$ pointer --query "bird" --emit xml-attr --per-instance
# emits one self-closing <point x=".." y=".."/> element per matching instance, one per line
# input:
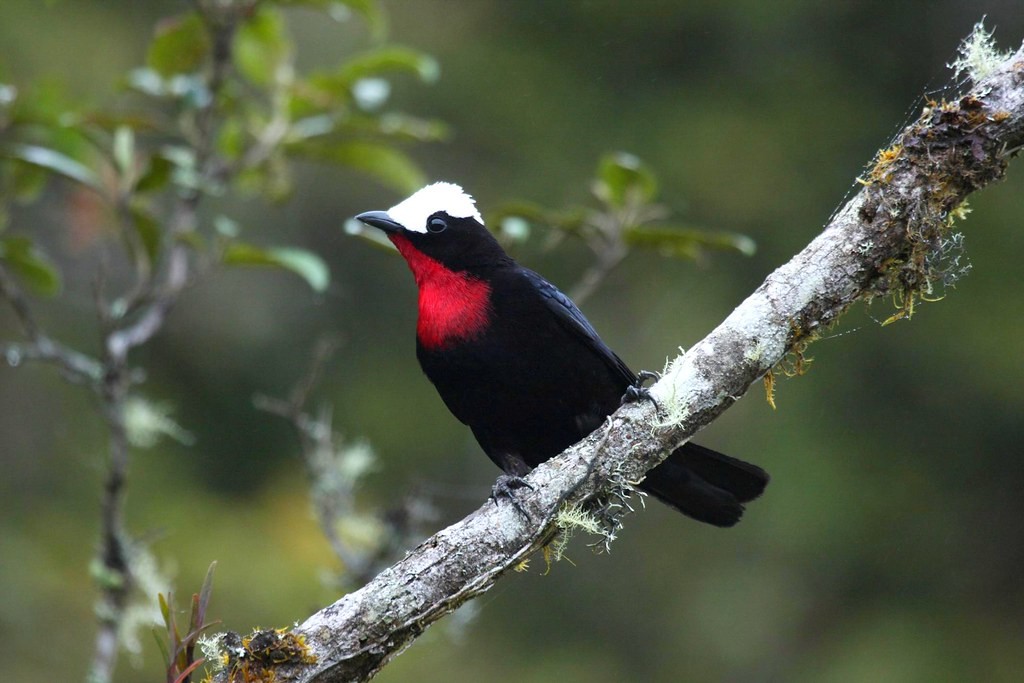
<point x="516" y="360"/>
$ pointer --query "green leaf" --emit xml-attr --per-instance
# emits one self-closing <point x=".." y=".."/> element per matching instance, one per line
<point x="369" y="10"/>
<point x="157" y="174"/>
<point x="192" y="239"/>
<point x="25" y="182"/>
<point x="146" y="81"/>
<point x="388" y="165"/>
<point x="54" y="161"/>
<point x="231" y="139"/>
<point x="44" y="103"/>
<point x="262" y="46"/>
<point x="412" y="128"/>
<point x="339" y="10"/>
<point x="181" y="45"/>
<point x="165" y="610"/>
<point x="569" y="221"/>
<point x="8" y="94"/>
<point x="392" y="125"/>
<point x="184" y="171"/>
<point x="226" y="227"/>
<point x="370" y="94"/>
<point x="372" y="235"/>
<point x="358" y="78"/>
<point x="190" y="88"/>
<point x="31" y="265"/>
<point x="622" y="178"/>
<point x="514" y="229"/>
<point x="150" y="233"/>
<point x="312" y="127"/>
<point x="162" y="645"/>
<point x="687" y="242"/>
<point x="124" y="149"/>
<point x="303" y="263"/>
<point x="204" y="595"/>
<point x="272" y="178"/>
<point x="388" y="59"/>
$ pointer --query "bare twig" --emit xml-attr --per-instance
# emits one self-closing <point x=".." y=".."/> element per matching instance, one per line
<point x="606" y="260"/>
<point x="12" y="292"/>
<point x="333" y="495"/>
<point x="316" y="438"/>
<point x="604" y="234"/>
<point x="76" y="366"/>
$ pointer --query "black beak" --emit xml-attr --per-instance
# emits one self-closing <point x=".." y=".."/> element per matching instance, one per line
<point x="379" y="219"/>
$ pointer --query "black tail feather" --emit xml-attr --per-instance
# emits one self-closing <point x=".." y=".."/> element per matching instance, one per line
<point x="743" y="480"/>
<point x="706" y="485"/>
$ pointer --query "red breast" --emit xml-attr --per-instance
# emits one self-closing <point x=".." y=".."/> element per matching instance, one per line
<point x="453" y="305"/>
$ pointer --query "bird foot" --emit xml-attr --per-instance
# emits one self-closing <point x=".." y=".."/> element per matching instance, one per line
<point x="505" y="487"/>
<point x="638" y="392"/>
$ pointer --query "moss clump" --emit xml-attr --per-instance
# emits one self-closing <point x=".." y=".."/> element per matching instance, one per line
<point x="255" y="658"/>
<point x="919" y="184"/>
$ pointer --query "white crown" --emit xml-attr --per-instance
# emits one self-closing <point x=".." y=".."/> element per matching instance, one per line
<point x="412" y="213"/>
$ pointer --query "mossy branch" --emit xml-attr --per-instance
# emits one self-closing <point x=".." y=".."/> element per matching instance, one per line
<point x="885" y="240"/>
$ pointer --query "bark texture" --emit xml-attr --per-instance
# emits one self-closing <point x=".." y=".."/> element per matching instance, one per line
<point x="891" y="238"/>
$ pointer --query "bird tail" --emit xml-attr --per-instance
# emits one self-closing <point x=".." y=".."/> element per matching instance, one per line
<point x="705" y="485"/>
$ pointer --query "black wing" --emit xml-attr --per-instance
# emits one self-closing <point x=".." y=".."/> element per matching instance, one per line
<point x="573" y="319"/>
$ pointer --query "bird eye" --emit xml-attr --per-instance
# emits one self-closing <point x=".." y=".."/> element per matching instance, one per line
<point x="436" y="224"/>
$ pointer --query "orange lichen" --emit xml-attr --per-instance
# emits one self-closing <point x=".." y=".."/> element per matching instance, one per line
<point x="769" y="388"/>
<point x="255" y="658"/>
<point x="880" y="172"/>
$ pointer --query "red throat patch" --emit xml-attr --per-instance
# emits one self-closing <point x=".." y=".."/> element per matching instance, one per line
<point x="453" y="306"/>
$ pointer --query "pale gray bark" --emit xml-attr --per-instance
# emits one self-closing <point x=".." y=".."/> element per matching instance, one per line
<point x="888" y="238"/>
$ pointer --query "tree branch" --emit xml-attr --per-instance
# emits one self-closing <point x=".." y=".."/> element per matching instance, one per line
<point x="335" y="470"/>
<point x="76" y="366"/>
<point x="145" y="317"/>
<point x="317" y="447"/>
<point x="890" y="238"/>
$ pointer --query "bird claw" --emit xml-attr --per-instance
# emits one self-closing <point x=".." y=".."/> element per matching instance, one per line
<point x="504" y="487"/>
<point x="638" y="392"/>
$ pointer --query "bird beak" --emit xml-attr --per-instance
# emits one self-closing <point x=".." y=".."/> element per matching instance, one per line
<point x="380" y="219"/>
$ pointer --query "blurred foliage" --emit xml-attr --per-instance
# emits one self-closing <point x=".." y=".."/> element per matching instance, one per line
<point x="33" y="266"/>
<point x="889" y="544"/>
<point x="628" y="217"/>
<point x="219" y="109"/>
<point x="137" y="154"/>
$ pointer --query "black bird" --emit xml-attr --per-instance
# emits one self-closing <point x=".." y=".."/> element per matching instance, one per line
<point x="516" y="360"/>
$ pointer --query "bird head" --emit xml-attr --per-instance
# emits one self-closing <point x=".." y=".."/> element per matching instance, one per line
<point x="439" y="222"/>
<point x="451" y="255"/>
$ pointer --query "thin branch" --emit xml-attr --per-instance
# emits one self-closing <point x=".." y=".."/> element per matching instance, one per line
<point x="880" y="242"/>
<point x="76" y="366"/>
<point x="333" y="496"/>
<point x="604" y="233"/>
<point x="316" y="438"/>
<point x="607" y="258"/>
<point x="147" y="315"/>
<point x="12" y="292"/>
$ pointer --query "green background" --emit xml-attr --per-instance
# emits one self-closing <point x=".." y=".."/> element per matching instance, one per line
<point x="890" y="543"/>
